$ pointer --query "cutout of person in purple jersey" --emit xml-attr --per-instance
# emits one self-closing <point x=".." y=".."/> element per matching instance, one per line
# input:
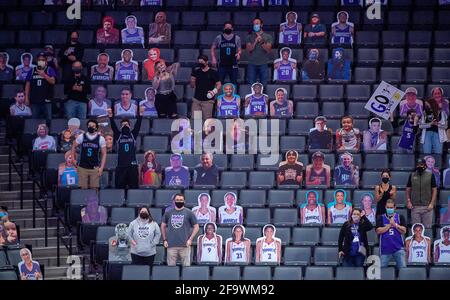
<point x="285" y="67"/>
<point x="229" y="102"/>
<point x="23" y="70"/>
<point x="291" y="30"/>
<point x="127" y="69"/>
<point x="256" y="103"/>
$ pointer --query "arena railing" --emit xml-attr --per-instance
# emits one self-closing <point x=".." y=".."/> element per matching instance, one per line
<point x="18" y="168"/>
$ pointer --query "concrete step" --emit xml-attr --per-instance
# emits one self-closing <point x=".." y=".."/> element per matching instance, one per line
<point x="48" y="251"/>
<point x="14" y="195"/>
<point x="52" y="261"/>
<point x="4" y="158"/>
<point x="30" y="233"/>
<point x="26" y="213"/>
<point x="56" y="273"/>
<point x="15" y="204"/>
<point x="15" y="185"/>
<point x="39" y="242"/>
<point x="40" y="222"/>
<point x="4" y="176"/>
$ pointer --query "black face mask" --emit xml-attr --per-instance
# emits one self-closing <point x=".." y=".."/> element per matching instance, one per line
<point x="76" y="70"/>
<point x="143" y="215"/>
<point x="91" y="130"/>
<point x="74" y="40"/>
<point x="227" y="30"/>
<point x="126" y="130"/>
<point x="179" y="204"/>
<point x="385" y="179"/>
<point x="200" y="65"/>
<point x="420" y="170"/>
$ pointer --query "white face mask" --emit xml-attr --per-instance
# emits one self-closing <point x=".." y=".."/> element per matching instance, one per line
<point x="41" y="63"/>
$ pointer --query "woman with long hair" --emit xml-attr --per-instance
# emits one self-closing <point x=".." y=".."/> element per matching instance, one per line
<point x="237" y="247"/>
<point x="150" y="171"/>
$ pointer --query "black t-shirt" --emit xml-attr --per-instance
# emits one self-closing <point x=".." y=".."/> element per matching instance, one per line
<point x="206" y="176"/>
<point x="205" y="81"/>
<point x="81" y="96"/>
<point x="320" y="140"/>
<point x="290" y="173"/>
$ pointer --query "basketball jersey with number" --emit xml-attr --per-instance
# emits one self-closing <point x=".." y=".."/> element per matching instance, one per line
<point x="25" y="111"/>
<point x="69" y="176"/>
<point x="131" y="38"/>
<point x="126" y="72"/>
<point x="418" y="251"/>
<point x="121" y="111"/>
<point x="98" y="110"/>
<point x="291" y="34"/>
<point x="209" y="250"/>
<point x="101" y="76"/>
<point x="257" y="106"/>
<point x="228" y="109"/>
<point x="444" y="252"/>
<point x="238" y="252"/>
<point x="339" y="216"/>
<point x="228" y="51"/>
<point x="90" y="152"/>
<point x="342" y="35"/>
<point x="312" y="216"/>
<point x="281" y="110"/>
<point x="285" y="71"/>
<point x="269" y="251"/>
<point x="407" y="139"/>
<point x="233" y="218"/>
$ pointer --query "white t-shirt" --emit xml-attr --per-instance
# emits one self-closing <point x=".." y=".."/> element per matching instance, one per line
<point x="45" y="143"/>
<point x="102" y="141"/>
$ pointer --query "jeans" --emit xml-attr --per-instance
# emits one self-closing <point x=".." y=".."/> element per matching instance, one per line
<point x="42" y="109"/>
<point x="353" y="261"/>
<point x="75" y="109"/>
<point x="232" y="73"/>
<point x="432" y="144"/>
<point x="398" y="256"/>
<point x="255" y="71"/>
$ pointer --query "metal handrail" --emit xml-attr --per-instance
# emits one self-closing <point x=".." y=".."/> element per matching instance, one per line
<point x="59" y="238"/>
<point x="19" y="170"/>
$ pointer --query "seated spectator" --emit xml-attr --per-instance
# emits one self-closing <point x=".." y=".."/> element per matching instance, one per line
<point x="441" y="246"/>
<point x="290" y="171"/>
<point x="147" y="106"/>
<point x="127" y="68"/>
<point x="418" y="246"/>
<point x="411" y="102"/>
<point x="342" y="31"/>
<point x="52" y="61"/>
<point x="368" y="207"/>
<point x="268" y="247"/>
<point x="434" y="124"/>
<point x="148" y="68"/>
<point x="44" y="141"/>
<point x="347" y="137"/>
<point x="320" y="136"/>
<point x="19" y="108"/>
<point x="160" y="31"/>
<point x="445" y="214"/>
<point x="346" y="173"/>
<point x="151" y="2"/>
<point x="12" y="238"/>
<point x="229" y="102"/>
<point x="109" y="142"/>
<point x="203" y="211"/>
<point x="375" y="138"/>
<point x="176" y="174"/>
<point x="238" y="247"/>
<point x="132" y="34"/>
<point x="256" y="103"/>
<point x="29" y="269"/>
<point x="311" y="211"/>
<point x="209" y="245"/>
<point x="290" y="31"/>
<point x="207" y="172"/>
<point x="318" y="173"/>
<point x="108" y="34"/>
<point x="313" y="67"/>
<point x="228" y="3"/>
<point x="23" y="70"/>
<point x="431" y="162"/>
<point x="6" y="71"/>
<point x="253" y="3"/>
<point x="93" y="212"/>
<point x="67" y="171"/>
<point x="102" y="71"/>
<point x="150" y="171"/>
<point x="437" y="94"/>
<point x="120" y="244"/>
<point x="339" y="210"/>
<point x="230" y="213"/>
<point x="285" y="67"/>
<point x="338" y="68"/>
<point x="409" y="131"/>
<point x="314" y="32"/>
<point x="126" y="107"/>
<point x="99" y="105"/>
<point x="281" y="107"/>
<point x="446" y="175"/>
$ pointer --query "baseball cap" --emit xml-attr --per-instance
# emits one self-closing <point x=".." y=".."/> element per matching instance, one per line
<point x="420" y="161"/>
<point x="318" y="154"/>
<point x="73" y="122"/>
<point x="320" y="118"/>
<point x="315" y="15"/>
<point x="41" y="54"/>
<point x="411" y="90"/>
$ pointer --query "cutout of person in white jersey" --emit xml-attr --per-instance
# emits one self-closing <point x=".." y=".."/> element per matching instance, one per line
<point x="237" y="247"/>
<point x="442" y="246"/>
<point x="418" y="246"/>
<point x="209" y="245"/>
<point x="204" y="212"/>
<point x="230" y="213"/>
<point x="311" y="211"/>
<point x="268" y="247"/>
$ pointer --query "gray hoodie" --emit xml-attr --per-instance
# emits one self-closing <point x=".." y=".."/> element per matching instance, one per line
<point x="146" y="235"/>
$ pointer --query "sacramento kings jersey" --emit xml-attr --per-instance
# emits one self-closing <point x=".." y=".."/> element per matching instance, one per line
<point x="238" y="251"/>
<point x="131" y="38"/>
<point x="23" y="74"/>
<point x="69" y="176"/>
<point x="126" y="72"/>
<point x="290" y="35"/>
<point x="25" y="111"/>
<point x="228" y="51"/>
<point x="126" y="148"/>
<point x="339" y="216"/>
<point x="233" y="218"/>
<point x="227" y="109"/>
<point x="90" y="152"/>
<point x="209" y="250"/>
<point x="285" y="72"/>
<point x="176" y="178"/>
<point x="407" y="139"/>
<point x="444" y="252"/>
<point x="342" y="35"/>
<point x="151" y="2"/>
<point x="130" y="112"/>
<point x="312" y="216"/>
<point x="391" y="241"/>
<point x="418" y="251"/>
<point x="101" y="76"/>
<point x="149" y="110"/>
<point x="229" y="3"/>
<point x="268" y="251"/>
<point x="98" y="110"/>
<point x="257" y="106"/>
<point x="282" y="110"/>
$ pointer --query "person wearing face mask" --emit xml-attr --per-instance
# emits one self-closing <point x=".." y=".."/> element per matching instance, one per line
<point x="352" y="242"/>
<point x="313" y="67"/>
<point x="179" y="228"/>
<point x="72" y="52"/>
<point x="390" y="228"/>
<point x="338" y="68"/>
<point x="384" y="191"/>
<point x="39" y="88"/>
<point x="77" y="88"/>
<point x="315" y="33"/>
<point x="144" y="233"/>
<point x="229" y="45"/>
<point x="259" y="47"/>
<point x="421" y="192"/>
<point x="90" y="167"/>
<point x="52" y="61"/>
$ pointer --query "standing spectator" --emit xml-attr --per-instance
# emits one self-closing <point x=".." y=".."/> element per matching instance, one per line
<point x="144" y="233"/>
<point x="150" y="173"/>
<point x="160" y="31"/>
<point x="375" y="138"/>
<point x="23" y="70"/>
<point x="390" y="228"/>
<point x="99" y="105"/>
<point x="320" y="137"/>
<point x="256" y="103"/>
<point x="314" y="32"/>
<point x="229" y="102"/>
<point x="179" y="228"/>
<point x="29" y="269"/>
<point x="342" y="31"/>
<point x="312" y="212"/>
<point x="67" y="171"/>
<point x="259" y="48"/>
<point x="347" y="137"/>
<point x="352" y="242"/>
<point x="409" y="131"/>
<point x="20" y="108"/>
<point x="102" y="71"/>
<point x="108" y="34"/>
<point x="39" y="88"/>
<point x="90" y="168"/>
<point x="77" y="87"/>
<point x="238" y="247"/>
<point x="230" y="213"/>
<point x="339" y="210"/>
<point x="281" y="107"/>
<point x="176" y="174"/>
<point x="290" y="31"/>
<point x="318" y="173"/>
<point x="207" y="172"/>
<point x="268" y="247"/>
<point x="437" y="94"/>
<point x="229" y="45"/>
<point x="290" y="171"/>
<point x="93" y="212"/>
<point x="6" y="71"/>
<point x="52" y="61"/>
<point x="73" y="51"/>
<point x="347" y="173"/>
<point x="209" y="247"/>
<point x="338" y="68"/>
<point x="431" y="162"/>
<point x="434" y="124"/>
<point x="313" y="67"/>
<point x="418" y="246"/>
<point x="132" y="34"/>
<point x="148" y="105"/>
<point x="203" y="211"/>
<point x="127" y="69"/>
<point x="421" y="192"/>
<point x="285" y="67"/>
<point x="411" y="102"/>
<point x="207" y="84"/>
<point x="44" y="141"/>
<point x="164" y="84"/>
<point x="441" y="247"/>
<point x="149" y="64"/>
<point x="126" y="107"/>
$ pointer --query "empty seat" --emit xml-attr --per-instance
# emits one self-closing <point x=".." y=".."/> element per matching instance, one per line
<point x="357" y="110"/>
<point x="349" y="273"/>
<point x="268" y="162"/>
<point x="261" y="180"/>
<point x="242" y="162"/>
<point x="257" y="216"/>
<point x="299" y="127"/>
<point x="326" y="256"/>
<point x="331" y="92"/>
<point x="188" y="57"/>
<point x="158" y="144"/>
<point x="416" y="75"/>
<point x="376" y="161"/>
<point x="419" y="38"/>
<point x="403" y="162"/>
<point x="441" y="55"/>
<point x="412" y="273"/>
<point x="297" y="143"/>
<point x="305" y="236"/>
<point x="161" y="127"/>
<point x="319" y="273"/>
<point x="333" y="109"/>
<point x="233" y="180"/>
<point x="139" y="197"/>
<point x="3" y="259"/>
<point x="391" y="75"/>
<point x="226" y="273"/>
<point x="163" y="198"/>
<point x="304" y="92"/>
<point x="367" y="38"/>
<point x="393" y="56"/>
<point x="285" y="217"/>
<point x="8" y="274"/>
<point x="418" y="56"/>
<point x="439" y="273"/>
<point x="135" y="272"/>
<point x="440" y="75"/>
<point x="112" y="197"/>
<point x="122" y="215"/>
<point x="365" y="75"/>
<point x="330" y="236"/>
<point x="193" y="18"/>
<point x="257" y="273"/>
<point x="195" y="273"/>
<point x="370" y="179"/>
<point x="252" y="198"/>
<point x="165" y="273"/>
<point x="358" y="92"/>
<point x="399" y="178"/>
<point x="306" y="110"/>
<point x="387" y="273"/>
<point x="297" y="256"/>
<point x="367" y="56"/>
<point x="281" y="198"/>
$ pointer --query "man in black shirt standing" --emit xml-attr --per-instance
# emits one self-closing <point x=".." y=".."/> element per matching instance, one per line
<point x="127" y="174"/>
<point x="77" y="89"/>
<point x="206" y="173"/>
<point x="319" y="137"/>
<point x="207" y="84"/>
<point x="73" y="51"/>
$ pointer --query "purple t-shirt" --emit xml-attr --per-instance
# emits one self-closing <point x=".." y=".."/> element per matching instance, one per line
<point x="392" y="240"/>
<point x="29" y="274"/>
